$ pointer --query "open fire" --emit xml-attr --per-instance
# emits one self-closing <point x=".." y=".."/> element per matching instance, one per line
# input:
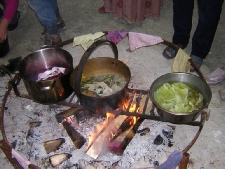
<point x="127" y="138"/>
<point x="113" y="134"/>
<point x="98" y="136"/>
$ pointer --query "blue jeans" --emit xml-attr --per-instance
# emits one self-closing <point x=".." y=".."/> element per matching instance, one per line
<point x="209" y="15"/>
<point x="47" y="12"/>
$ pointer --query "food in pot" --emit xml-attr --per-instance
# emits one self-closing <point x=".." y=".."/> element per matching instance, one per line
<point x="178" y="97"/>
<point x="103" y="85"/>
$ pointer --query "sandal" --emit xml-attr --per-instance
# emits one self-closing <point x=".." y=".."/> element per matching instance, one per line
<point x="169" y="52"/>
<point x="222" y="93"/>
<point x="215" y="77"/>
<point x="198" y="62"/>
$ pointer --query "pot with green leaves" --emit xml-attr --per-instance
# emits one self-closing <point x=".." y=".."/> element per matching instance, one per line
<point x="100" y="82"/>
<point x="180" y="97"/>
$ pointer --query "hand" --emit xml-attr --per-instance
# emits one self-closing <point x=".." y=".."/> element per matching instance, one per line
<point x="3" y="29"/>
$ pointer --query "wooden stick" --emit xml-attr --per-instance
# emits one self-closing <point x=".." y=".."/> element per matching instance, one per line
<point x="120" y="142"/>
<point x="103" y="139"/>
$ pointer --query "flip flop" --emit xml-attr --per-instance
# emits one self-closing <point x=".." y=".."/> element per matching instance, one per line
<point x="198" y="62"/>
<point x="222" y="93"/>
<point x="169" y="52"/>
<point x="215" y="77"/>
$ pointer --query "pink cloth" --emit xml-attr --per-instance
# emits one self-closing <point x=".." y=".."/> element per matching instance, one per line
<point x="116" y="36"/>
<point x="10" y="9"/>
<point x="137" y="40"/>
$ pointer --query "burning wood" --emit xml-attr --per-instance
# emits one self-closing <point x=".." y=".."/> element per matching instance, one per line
<point x="53" y="145"/>
<point x="57" y="159"/>
<point x="120" y="142"/>
<point x="103" y="139"/>
<point x="113" y="128"/>
<point x="68" y="113"/>
<point x="69" y="121"/>
<point x="75" y="136"/>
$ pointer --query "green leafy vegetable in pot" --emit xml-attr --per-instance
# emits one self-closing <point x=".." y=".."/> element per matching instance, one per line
<point x="104" y="85"/>
<point x="178" y="97"/>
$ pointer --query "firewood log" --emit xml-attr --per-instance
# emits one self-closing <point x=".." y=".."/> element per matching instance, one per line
<point x="102" y="140"/>
<point x="118" y="145"/>
<point x="57" y="159"/>
<point x="53" y="145"/>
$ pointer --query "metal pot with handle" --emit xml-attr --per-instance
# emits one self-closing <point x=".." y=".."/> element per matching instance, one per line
<point x="51" y="90"/>
<point x="193" y="81"/>
<point x="99" y="66"/>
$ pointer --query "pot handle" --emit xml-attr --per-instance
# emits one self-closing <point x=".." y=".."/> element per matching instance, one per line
<point x="85" y="57"/>
<point x="46" y="88"/>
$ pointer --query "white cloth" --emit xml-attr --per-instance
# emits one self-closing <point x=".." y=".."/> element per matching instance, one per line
<point x="50" y="73"/>
<point x="86" y="40"/>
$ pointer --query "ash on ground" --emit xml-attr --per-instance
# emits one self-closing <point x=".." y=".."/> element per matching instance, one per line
<point x="28" y="125"/>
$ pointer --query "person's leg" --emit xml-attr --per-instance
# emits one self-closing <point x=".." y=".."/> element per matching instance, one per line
<point x="2" y="3"/>
<point x="60" y="22"/>
<point x="1" y="13"/>
<point x="55" y="7"/>
<point x="209" y="16"/>
<point x="15" y="21"/>
<point x="182" y="21"/>
<point x="46" y="13"/>
<point x="182" y="24"/>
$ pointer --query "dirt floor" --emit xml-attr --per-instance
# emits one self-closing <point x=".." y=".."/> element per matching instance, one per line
<point x="146" y="64"/>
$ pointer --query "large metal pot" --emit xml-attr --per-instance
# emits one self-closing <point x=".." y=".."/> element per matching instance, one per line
<point x="47" y="91"/>
<point x="195" y="82"/>
<point x="95" y="67"/>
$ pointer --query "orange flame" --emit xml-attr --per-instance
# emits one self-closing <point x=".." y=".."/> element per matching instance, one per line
<point x="100" y="127"/>
<point x="133" y="108"/>
<point x="131" y="120"/>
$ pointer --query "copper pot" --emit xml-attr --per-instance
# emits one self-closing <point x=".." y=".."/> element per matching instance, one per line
<point x="95" y="67"/>
<point x="47" y="91"/>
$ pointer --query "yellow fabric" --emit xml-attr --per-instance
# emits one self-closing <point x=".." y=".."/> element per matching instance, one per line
<point x="181" y="63"/>
<point x="86" y="40"/>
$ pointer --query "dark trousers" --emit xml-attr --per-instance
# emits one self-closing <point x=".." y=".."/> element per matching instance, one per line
<point x="1" y="10"/>
<point x="2" y="2"/>
<point x="209" y="15"/>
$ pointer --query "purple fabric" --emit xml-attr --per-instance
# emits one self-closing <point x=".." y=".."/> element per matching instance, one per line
<point x="116" y="36"/>
<point x="172" y="161"/>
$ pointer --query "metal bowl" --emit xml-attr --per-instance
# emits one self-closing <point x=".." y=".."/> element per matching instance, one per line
<point x="193" y="81"/>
